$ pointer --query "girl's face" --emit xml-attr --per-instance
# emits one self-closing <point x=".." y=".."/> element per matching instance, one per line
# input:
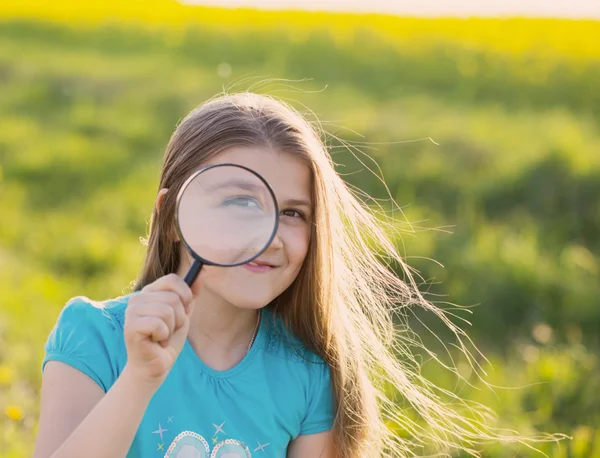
<point x="251" y="286"/>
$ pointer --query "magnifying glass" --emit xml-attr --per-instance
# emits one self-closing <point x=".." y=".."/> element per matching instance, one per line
<point x="227" y="215"/>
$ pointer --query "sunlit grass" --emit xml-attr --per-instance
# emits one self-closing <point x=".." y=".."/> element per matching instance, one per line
<point x="517" y="37"/>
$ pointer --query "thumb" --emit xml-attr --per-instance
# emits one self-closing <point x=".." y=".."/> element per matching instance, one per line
<point x="196" y="288"/>
<point x="178" y="338"/>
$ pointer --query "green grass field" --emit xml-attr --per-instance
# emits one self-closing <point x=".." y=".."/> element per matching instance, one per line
<point x="89" y="98"/>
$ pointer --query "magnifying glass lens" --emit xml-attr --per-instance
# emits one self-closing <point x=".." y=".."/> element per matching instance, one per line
<point x="227" y="215"/>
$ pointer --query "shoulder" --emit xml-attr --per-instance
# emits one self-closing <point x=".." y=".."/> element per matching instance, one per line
<point x="291" y="358"/>
<point x="81" y="310"/>
<point x="88" y="335"/>
<point x="281" y="343"/>
<point x="304" y="376"/>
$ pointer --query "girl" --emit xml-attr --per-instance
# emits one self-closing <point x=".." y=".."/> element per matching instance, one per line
<point x="293" y="355"/>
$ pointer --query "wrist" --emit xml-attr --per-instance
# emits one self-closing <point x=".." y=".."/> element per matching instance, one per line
<point x="143" y="387"/>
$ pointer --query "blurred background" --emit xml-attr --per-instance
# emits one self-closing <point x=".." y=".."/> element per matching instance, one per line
<point x="486" y="131"/>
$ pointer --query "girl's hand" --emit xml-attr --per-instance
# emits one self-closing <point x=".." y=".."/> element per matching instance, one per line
<point x="156" y="327"/>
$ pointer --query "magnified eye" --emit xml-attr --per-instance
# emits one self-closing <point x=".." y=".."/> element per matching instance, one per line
<point x="242" y="202"/>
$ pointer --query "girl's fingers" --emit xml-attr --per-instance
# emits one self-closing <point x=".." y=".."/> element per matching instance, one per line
<point x="151" y="326"/>
<point x="174" y="283"/>
<point x="159" y="310"/>
<point x="171" y="299"/>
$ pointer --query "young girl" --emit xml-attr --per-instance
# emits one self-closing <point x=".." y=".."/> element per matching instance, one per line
<point x="293" y="355"/>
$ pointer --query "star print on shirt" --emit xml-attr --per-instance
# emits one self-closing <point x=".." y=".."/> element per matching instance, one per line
<point x="160" y="447"/>
<point x="219" y="429"/>
<point x="160" y="431"/>
<point x="170" y="420"/>
<point x="261" y="447"/>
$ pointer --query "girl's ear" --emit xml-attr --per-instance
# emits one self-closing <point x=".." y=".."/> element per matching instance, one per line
<point x="160" y="197"/>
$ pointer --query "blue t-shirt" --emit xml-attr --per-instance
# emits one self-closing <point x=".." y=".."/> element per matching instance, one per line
<point x="277" y="392"/>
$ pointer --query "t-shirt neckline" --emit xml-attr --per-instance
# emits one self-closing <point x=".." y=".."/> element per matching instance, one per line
<point x="191" y="355"/>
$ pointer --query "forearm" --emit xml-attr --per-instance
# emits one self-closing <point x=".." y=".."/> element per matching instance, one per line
<point x="108" y="430"/>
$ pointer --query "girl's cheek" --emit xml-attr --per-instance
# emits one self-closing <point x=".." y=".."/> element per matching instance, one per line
<point x="298" y="227"/>
<point x="298" y="236"/>
<point x="213" y="274"/>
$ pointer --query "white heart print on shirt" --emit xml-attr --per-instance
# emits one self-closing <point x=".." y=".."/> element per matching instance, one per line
<point x="189" y="444"/>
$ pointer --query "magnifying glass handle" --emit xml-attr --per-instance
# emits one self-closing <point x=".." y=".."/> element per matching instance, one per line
<point x="193" y="272"/>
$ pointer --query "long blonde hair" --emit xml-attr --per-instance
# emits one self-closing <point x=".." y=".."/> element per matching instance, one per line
<point x="347" y="302"/>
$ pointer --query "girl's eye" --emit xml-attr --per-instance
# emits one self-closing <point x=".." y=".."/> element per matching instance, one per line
<point x="293" y="214"/>
<point x="242" y="201"/>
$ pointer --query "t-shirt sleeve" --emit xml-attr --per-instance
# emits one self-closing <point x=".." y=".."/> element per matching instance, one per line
<point x="319" y="415"/>
<point x="85" y="337"/>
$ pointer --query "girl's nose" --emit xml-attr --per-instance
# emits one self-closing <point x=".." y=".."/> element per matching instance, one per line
<point x="277" y="242"/>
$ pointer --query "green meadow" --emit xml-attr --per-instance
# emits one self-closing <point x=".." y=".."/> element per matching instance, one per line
<point x="490" y="149"/>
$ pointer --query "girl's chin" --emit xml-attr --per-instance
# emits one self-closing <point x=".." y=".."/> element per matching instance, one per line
<point x="242" y="293"/>
<point x="247" y="302"/>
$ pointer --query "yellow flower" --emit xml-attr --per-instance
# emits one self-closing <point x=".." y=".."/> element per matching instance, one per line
<point x="14" y="413"/>
<point x="6" y="375"/>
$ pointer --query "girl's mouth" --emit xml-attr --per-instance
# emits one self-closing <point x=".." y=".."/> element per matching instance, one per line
<point x="258" y="267"/>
